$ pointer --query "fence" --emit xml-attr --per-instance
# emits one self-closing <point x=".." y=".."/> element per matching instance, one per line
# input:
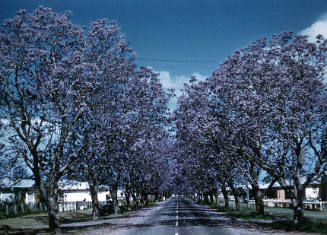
<point x="74" y="206"/>
<point x="15" y="209"/>
<point x="287" y="203"/>
<point x="309" y="205"/>
<point x="19" y="209"/>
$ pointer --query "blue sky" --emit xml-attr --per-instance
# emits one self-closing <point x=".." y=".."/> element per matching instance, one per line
<point x="179" y="38"/>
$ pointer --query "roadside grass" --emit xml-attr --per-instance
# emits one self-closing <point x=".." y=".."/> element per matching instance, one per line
<point x="41" y="219"/>
<point x="279" y="218"/>
<point x="244" y="213"/>
<point x="135" y="206"/>
<point x="39" y="222"/>
<point x="65" y="217"/>
<point x="308" y="226"/>
<point x="86" y="215"/>
<point x="69" y="216"/>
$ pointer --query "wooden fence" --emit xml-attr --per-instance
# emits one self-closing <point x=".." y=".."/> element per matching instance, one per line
<point x="23" y="209"/>
<point x="20" y="208"/>
<point x="74" y="206"/>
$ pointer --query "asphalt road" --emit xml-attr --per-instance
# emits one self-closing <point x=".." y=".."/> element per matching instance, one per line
<point x="180" y="216"/>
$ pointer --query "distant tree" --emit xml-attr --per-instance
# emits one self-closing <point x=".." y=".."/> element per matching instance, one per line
<point x="201" y="144"/>
<point x="147" y="131"/>
<point x="101" y="126"/>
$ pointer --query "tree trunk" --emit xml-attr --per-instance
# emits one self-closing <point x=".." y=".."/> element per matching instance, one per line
<point x="127" y="196"/>
<point x="237" y="202"/>
<point x="199" y="199"/>
<point x="206" y="198"/>
<point x="53" y="209"/>
<point x="128" y="202"/>
<point x="236" y="196"/>
<point x="258" y="197"/>
<point x="225" y="194"/>
<point x="94" y="195"/>
<point x="134" y="199"/>
<point x="211" y="198"/>
<point x="298" y="207"/>
<point x="113" y="193"/>
<point x="144" y="199"/>
<point x="38" y="180"/>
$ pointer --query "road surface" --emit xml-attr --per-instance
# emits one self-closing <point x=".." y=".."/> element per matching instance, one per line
<point x="178" y="216"/>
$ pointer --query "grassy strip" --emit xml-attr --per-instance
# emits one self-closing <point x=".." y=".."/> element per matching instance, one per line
<point x="36" y="222"/>
<point x="244" y="213"/>
<point x="308" y="225"/>
<point x="279" y="218"/>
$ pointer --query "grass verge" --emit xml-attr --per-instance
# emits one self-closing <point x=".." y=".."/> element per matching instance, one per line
<point x="279" y="219"/>
<point x="34" y="223"/>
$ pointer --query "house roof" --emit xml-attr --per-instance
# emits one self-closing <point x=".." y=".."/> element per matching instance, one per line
<point x="30" y="183"/>
<point x="265" y="185"/>
<point x="73" y="185"/>
<point x="288" y="183"/>
<point x="21" y="183"/>
<point x="77" y="185"/>
<point x="24" y="183"/>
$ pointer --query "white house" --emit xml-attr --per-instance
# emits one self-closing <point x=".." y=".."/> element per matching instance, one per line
<point x="312" y="192"/>
<point x="23" y="190"/>
<point x="75" y="195"/>
<point x="277" y="192"/>
<point x="74" y="191"/>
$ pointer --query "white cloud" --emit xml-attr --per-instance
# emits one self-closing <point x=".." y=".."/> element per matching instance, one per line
<point x="318" y="27"/>
<point x="176" y="82"/>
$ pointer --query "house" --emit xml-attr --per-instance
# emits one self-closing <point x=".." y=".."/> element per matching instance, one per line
<point x="277" y="196"/>
<point x="316" y="191"/>
<point x="23" y="190"/>
<point x="323" y="188"/>
<point x="312" y="191"/>
<point x="73" y="191"/>
<point x="74" y="195"/>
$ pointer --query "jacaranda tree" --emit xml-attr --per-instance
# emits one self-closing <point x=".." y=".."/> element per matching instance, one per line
<point x="275" y="98"/>
<point x="70" y="95"/>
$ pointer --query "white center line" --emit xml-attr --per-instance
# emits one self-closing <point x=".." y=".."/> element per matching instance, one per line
<point x="176" y="214"/>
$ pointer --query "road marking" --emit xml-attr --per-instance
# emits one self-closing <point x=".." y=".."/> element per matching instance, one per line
<point x="176" y="214"/>
<point x="176" y="233"/>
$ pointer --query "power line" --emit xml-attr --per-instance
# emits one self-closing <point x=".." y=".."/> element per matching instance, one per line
<point x="177" y="61"/>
